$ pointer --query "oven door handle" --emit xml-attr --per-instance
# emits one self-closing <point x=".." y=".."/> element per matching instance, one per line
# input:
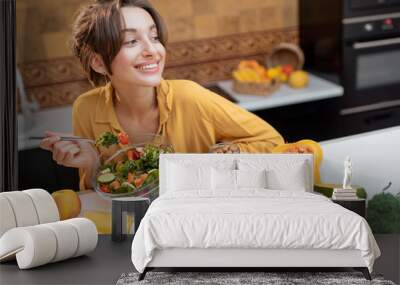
<point x="370" y="107"/>
<point x="378" y="43"/>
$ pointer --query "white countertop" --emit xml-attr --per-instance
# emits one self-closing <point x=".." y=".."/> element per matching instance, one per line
<point x="375" y="157"/>
<point x="317" y="89"/>
<point x="54" y="119"/>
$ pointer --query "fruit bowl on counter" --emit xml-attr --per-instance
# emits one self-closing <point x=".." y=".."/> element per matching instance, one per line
<point x="132" y="170"/>
<point x="283" y="65"/>
<point x="252" y="78"/>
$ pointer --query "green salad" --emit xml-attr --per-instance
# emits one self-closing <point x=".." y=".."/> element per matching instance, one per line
<point x="132" y="169"/>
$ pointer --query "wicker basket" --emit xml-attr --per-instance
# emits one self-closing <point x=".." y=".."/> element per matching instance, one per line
<point x="256" y="88"/>
<point x="286" y="53"/>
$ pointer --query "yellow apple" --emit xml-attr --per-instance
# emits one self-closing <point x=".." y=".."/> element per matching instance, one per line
<point x="68" y="203"/>
<point x="298" y="79"/>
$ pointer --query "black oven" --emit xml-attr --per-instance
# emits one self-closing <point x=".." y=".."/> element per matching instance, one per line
<point x="358" y="43"/>
<point x="371" y="62"/>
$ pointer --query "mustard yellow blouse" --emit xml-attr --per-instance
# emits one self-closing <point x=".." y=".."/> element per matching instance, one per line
<point x="192" y="118"/>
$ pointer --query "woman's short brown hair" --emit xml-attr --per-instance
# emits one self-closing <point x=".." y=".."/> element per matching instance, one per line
<point x="98" y="29"/>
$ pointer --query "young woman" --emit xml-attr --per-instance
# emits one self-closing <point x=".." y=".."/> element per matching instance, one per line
<point x="121" y="45"/>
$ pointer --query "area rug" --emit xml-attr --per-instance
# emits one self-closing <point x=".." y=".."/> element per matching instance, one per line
<point x="243" y="278"/>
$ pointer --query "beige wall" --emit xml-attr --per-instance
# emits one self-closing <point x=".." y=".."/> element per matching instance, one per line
<point x="43" y="26"/>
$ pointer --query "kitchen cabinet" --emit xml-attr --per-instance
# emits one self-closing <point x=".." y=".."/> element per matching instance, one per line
<point x="36" y="169"/>
<point x="314" y="120"/>
<point x="310" y="112"/>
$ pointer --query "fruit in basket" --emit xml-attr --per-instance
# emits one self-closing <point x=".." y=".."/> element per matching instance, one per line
<point x="287" y="69"/>
<point x="298" y="79"/>
<point x="274" y="72"/>
<point x="304" y="146"/>
<point x="246" y="75"/>
<point x="252" y="65"/>
<point x="250" y="71"/>
<point x="283" y="77"/>
<point x="68" y="203"/>
<point x="252" y="78"/>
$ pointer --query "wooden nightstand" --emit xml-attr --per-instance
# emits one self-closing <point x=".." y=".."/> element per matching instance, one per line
<point x="357" y="205"/>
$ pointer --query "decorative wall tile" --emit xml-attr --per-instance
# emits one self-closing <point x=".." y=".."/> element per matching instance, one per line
<point x="207" y="40"/>
<point x="180" y="29"/>
<point x="237" y="45"/>
<point x="270" y="17"/>
<point x="208" y="72"/>
<point x="186" y="20"/>
<point x="228" y="24"/>
<point x="248" y="20"/>
<point x="204" y="7"/>
<point x="175" y="8"/>
<point x="58" y="82"/>
<point x="56" y="51"/>
<point x="60" y="94"/>
<point x="229" y="7"/>
<point x="205" y="26"/>
<point x="53" y="71"/>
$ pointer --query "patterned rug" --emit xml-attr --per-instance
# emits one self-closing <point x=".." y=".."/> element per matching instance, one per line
<point x="243" y="278"/>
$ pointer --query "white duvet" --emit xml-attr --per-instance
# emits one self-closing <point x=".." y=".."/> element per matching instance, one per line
<point x="250" y="218"/>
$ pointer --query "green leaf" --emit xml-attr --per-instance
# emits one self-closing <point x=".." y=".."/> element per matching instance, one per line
<point x="106" y="139"/>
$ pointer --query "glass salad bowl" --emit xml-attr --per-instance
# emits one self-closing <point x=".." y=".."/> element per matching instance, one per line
<point x="132" y="170"/>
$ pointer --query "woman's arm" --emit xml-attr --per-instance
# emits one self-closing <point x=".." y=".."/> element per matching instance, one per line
<point x="235" y="124"/>
<point x="81" y="128"/>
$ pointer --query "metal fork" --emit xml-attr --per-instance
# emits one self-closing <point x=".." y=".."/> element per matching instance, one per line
<point x="64" y="139"/>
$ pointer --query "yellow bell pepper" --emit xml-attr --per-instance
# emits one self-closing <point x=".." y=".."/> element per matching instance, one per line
<point x="304" y="146"/>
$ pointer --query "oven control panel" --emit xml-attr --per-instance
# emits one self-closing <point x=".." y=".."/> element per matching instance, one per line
<point x="371" y="4"/>
<point x="371" y="28"/>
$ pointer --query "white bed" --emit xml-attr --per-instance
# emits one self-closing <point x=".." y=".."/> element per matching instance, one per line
<point x="198" y="222"/>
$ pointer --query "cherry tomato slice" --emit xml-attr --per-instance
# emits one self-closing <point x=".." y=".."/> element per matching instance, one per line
<point x="129" y="153"/>
<point x="131" y="177"/>
<point x="133" y="154"/>
<point x="123" y="138"/>
<point x="105" y="188"/>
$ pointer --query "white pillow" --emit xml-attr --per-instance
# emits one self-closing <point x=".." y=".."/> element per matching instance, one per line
<point x="227" y="179"/>
<point x="188" y="177"/>
<point x="251" y="178"/>
<point x="293" y="178"/>
<point x="282" y="174"/>
<point x="223" y="179"/>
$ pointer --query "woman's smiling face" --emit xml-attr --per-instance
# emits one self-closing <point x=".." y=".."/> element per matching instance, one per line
<point x="141" y="58"/>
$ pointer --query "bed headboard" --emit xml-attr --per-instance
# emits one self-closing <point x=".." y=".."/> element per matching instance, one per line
<point x="229" y="161"/>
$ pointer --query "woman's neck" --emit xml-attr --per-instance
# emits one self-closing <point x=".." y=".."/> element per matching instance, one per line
<point x="135" y="102"/>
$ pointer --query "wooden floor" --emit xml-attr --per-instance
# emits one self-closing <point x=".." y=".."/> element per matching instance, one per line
<point x="389" y="262"/>
<point x="110" y="260"/>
